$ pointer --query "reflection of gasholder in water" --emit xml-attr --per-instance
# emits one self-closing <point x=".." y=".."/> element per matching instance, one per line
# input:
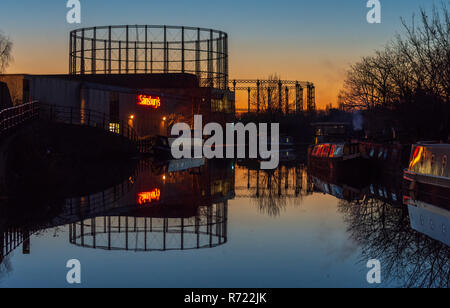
<point x="206" y="229"/>
<point x="174" y="207"/>
<point x="177" y="205"/>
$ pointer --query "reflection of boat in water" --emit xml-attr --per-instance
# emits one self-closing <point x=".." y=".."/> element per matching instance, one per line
<point x="430" y="220"/>
<point x="384" y="189"/>
<point x="342" y="192"/>
<point x="428" y="174"/>
<point x="412" y="259"/>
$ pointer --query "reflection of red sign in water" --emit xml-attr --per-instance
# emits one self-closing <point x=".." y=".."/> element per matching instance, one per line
<point x="149" y="196"/>
<point x="149" y="101"/>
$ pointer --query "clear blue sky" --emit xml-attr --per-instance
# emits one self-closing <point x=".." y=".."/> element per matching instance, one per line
<point x="298" y="39"/>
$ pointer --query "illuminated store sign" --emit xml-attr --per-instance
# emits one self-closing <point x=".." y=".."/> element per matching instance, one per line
<point x="149" y="101"/>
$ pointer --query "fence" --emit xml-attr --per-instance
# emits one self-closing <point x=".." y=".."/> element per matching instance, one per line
<point x="87" y="117"/>
<point x="11" y="118"/>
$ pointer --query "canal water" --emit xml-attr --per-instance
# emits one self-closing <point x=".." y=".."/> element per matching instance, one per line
<point x="196" y="223"/>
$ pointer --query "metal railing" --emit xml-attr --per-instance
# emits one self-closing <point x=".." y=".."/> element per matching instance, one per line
<point x="88" y="117"/>
<point x="11" y="118"/>
<point x="11" y="239"/>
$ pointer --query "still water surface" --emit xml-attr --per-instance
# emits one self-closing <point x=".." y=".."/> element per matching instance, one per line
<point x="222" y="224"/>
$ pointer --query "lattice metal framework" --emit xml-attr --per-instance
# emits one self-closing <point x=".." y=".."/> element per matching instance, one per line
<point x="205" y="230"/>
<point x="280" y="90"/>
<point x="141" y="49"/>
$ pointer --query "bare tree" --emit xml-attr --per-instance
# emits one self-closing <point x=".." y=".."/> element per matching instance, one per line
<point x="418" y="61"/>
<point x="427" y="48"/>
<point x="5" y="52"/>
<point x="270" y="199"/>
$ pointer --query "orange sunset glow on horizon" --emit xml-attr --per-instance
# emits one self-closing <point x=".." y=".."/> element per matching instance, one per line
<point x="303" y="41"/>
<point x="326" y="74"/>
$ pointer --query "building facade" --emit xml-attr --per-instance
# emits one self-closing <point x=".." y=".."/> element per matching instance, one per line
<point x="149" y="103"/>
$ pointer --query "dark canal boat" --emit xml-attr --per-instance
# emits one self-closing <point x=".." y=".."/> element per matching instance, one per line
<point x="386" y="158"/>
<point x="428" y="174"/>
<point x="338" y="161"/>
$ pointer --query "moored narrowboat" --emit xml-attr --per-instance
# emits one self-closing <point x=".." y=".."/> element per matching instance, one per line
<point x="386" y="159"/>
<point x="338" y="161"/>
<point x="428" y="174"/>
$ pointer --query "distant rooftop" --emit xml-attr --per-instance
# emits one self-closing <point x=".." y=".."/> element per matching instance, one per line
<point x="137" y="81"/>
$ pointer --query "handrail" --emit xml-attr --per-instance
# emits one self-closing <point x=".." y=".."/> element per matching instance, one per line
<point x="14" y="116"/>
<point x="88" y="117"/>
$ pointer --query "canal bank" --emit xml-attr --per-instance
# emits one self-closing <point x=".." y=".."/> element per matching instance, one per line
<point x="64" y="158"/>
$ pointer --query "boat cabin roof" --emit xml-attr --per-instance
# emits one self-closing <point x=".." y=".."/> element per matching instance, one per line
<point x="434" y="145"/>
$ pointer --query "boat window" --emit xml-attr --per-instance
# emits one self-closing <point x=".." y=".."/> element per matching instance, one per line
<point x="325" y="150"/>
<point x="444" y="165"/>
<point x="319" y="150"/>
<point x="394" y="197"/>
<point x="339" y="150"/>
<point x="333" y="148"/>
<point x="316" y="150"/>
<point x="381" y="153"/>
